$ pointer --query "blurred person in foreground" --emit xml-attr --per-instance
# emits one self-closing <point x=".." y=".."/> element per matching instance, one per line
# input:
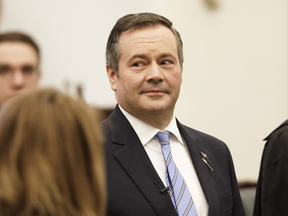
<point x="155" y="164"/>
<point x="19" y="64"/>
<point x="272" y="186"/>
<point x="51" y="157"/>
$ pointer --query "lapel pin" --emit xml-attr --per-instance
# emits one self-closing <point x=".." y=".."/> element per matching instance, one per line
<point x="204" y="157"/>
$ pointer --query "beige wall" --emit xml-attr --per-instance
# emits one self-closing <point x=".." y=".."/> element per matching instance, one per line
<point x="235" y="73"/>
<point x="235" y="70"/>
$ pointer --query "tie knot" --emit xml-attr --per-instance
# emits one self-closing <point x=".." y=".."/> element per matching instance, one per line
<point x="163" y="137"/>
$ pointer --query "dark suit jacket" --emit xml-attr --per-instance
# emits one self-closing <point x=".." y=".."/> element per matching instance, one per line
<point x="272" y="187"/>
<point x="131" y="176"/>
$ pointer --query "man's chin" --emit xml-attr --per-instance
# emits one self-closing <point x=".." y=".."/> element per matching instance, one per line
<point x="156" y="108"/>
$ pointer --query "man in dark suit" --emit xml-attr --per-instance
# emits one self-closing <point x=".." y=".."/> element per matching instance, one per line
<point x="271" y="191"/>
<point x="144" y="57"/>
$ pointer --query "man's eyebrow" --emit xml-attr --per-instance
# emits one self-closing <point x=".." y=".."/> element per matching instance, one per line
<point x="141" y="56"/>
<point x="27" y="65"/>
<point x="144" y="56"/>
<point x="4" y="65"/>
<point x="165" y="55"/>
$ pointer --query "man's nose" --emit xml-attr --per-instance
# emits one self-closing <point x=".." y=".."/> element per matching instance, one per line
<point x="18" y="79"/>
<point x="155" y="73"/>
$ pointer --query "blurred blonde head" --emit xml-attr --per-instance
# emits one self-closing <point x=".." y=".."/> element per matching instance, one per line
<point x="51" y="157"/>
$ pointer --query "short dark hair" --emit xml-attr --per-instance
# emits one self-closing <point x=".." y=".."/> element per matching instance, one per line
<point x="139" y="20"/>
<point x="20" y="37"/>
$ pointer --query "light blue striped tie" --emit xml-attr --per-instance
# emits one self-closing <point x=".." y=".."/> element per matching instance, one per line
<point x="179" y="192"/>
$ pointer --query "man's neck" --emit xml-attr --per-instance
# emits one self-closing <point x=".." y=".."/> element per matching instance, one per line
<point x="158" y="119"/>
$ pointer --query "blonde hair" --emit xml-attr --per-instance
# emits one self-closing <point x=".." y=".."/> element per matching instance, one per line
<point x="51" y="157"/>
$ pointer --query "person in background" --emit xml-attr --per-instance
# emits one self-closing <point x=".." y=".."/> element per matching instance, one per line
<point x="19" y="64"/>
<point x="156" y="165"/>
<point x="271" y="190"/>
<point x="51" y="156"/>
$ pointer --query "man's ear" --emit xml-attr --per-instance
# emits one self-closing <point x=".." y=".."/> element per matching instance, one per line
<point x="112" y="78"/>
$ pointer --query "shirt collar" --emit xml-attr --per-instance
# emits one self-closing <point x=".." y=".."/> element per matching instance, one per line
<point x="146" y="132"/>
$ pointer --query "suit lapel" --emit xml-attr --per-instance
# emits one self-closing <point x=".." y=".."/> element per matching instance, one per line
<point x="206" y="176"/>
<point x="130" y="153"/>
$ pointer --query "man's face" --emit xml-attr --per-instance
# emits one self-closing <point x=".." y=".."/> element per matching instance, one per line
<point x="18" y="69"/>
<point x="150" y="74"/>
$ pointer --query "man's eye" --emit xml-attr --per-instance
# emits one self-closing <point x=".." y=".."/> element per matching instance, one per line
<point x="137" y="64"/>
<point x="166" y="62"/>
<point x="5" y="70"/>
<point x="28" y="70"/>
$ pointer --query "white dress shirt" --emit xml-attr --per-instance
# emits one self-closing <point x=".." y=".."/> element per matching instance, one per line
<point x="180" y="154"/>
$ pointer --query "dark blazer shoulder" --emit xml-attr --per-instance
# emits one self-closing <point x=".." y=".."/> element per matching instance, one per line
<point x="282" y="128"/>
<point x="202" y="138"/>
<point x="274" y="161"/>
<point x="115" y="122"/>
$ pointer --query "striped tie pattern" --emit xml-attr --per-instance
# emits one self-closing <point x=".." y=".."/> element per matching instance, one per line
<point x="179" y="192"/>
